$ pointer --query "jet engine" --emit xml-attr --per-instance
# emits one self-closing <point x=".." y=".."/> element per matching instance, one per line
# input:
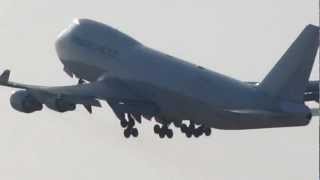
<point x="60" y="105"/>
<point x="23" y="101"/>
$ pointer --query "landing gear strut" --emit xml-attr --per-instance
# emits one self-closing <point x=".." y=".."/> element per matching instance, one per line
<point x="129" y="127"/>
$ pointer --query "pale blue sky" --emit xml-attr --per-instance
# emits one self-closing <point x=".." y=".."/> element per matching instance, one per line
<point x="243" y="39"/>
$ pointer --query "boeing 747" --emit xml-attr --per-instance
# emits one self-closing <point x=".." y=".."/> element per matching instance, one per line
<point x="140" y="83"/>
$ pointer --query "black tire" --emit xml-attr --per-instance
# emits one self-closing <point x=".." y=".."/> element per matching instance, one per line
<point x="124" y="123"/>
<point x="191" y="126"/>
<point x="161" y="134"/>
<point x="177" y="124"/>
<point x="126" y="133"/>
<point x="134" y="132"/>
<point x="169" y="133"/>
<point x="184" y="128"/>
<point x="197" y="133"/>
<point x="130" y="124"/>
<point x="188" y="134"/>
<point x="207" y="131"/>
<point x="201" y="128"/>
<point x="156" y="129"/>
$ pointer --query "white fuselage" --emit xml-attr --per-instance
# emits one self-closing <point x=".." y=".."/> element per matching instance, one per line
<point x="181" y="90"/>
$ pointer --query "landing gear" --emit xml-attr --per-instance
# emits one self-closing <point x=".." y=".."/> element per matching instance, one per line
<point x="126" y="133"/>
<point x="130" y="131"/>
<point x="169" y="133"/>
<point x="128" y="121"/>
<point x="157" y="129"/>
<point x="197" y="132"/>
<point x="124" y="123"/>
<point x="134" y="132"/>
<point x="129" y="124"/>
<point x="177" y="124"/>
<point x="207" y="131"/>
<point x="163" y="131"/>
<point x="192" y="130"/>
<point x="188" y="134"/>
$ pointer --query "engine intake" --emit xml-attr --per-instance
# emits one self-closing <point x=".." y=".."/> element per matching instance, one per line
<point x="60" y="105"/>
<point x="23" y="101"/>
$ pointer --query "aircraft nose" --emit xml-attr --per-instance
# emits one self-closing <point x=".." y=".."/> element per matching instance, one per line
<point x="63" y="42"/>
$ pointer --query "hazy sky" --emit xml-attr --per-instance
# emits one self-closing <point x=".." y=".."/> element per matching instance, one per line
<point x="243" y="39"/>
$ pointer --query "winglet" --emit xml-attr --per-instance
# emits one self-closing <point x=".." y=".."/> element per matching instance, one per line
<point x="4" y="77"/>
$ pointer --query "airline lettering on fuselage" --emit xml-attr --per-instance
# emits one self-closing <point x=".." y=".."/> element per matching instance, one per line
<point x="110" y="52"/>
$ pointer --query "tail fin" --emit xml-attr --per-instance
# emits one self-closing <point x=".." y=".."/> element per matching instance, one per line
<point x="289" y="77"/>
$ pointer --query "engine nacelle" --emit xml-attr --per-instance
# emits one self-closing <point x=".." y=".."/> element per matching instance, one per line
<point x="23" y="101"/>
<point x="60" y="105"/>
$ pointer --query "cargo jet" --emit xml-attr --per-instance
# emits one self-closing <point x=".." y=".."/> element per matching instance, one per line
<point x="139" y="82"/>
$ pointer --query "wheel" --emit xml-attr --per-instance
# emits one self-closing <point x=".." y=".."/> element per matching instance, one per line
<point x="126" y="133"/>
<point x="207" y="131"/>
<point x="188" y="134"/>
<point x="169" y="133"/>
<point x="201" y="128"/>
<point x="177" y="124"/>
<point x="137" y="117"/>
<point x="124" y="123"/>
<point x="191" y="126"/>
<point x="161" y="134"/>
<point x="156" y="129"/>
<point x="197" y="133"/>
<point x="184" y="128"/>
<point x="134" y="132"/>
<point x="130" y="122"/>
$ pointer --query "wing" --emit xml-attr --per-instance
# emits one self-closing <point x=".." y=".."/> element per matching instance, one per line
<point x="119" y="96"/>
<point x="310" y="94"/>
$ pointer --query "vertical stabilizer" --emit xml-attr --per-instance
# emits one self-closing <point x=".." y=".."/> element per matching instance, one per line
<point x="289" y="77"/>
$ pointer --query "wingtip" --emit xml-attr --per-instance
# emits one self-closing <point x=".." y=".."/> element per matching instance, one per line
<point x="4" y="77"/>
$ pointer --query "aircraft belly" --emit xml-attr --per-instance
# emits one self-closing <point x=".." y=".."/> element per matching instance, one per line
<point x="260" y="119"/>
<point x="174" y="105"/>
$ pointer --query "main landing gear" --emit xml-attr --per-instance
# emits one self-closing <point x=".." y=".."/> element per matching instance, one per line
<point x="128" y="121"/>
<point x="128" y="125"/>
<point x="163" y="131"/>
<point x="195" y="131"/>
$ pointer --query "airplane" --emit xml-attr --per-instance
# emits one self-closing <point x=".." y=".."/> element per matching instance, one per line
<point x="141" y="83"/>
